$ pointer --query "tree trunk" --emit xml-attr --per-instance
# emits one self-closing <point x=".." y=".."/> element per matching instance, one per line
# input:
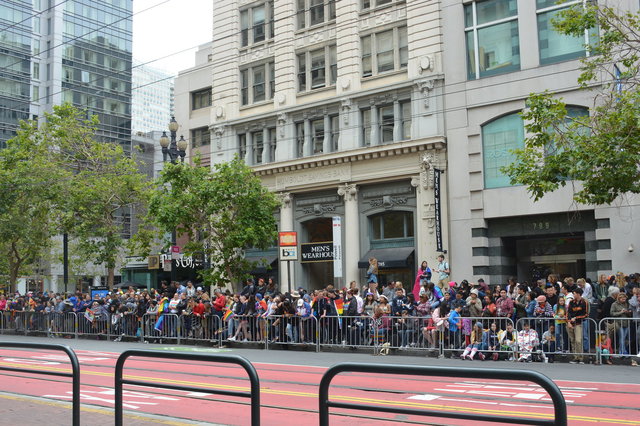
<point x="110" y="277"/>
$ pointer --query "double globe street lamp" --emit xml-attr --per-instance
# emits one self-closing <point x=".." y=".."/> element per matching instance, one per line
<point x="174" y="149"/>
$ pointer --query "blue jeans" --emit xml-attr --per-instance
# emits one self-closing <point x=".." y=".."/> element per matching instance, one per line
<point x="586" y="337"/>
<point x="623" y="334"/>
<point x="561" y="338"/>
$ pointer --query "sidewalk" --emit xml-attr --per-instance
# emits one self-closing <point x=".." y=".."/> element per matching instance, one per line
<point x="28" y="411"/>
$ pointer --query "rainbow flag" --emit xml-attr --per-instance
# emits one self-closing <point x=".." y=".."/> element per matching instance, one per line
<point x="228" y="315"/>
<point x="339" y="306"/>
<point x="89" y="315"/>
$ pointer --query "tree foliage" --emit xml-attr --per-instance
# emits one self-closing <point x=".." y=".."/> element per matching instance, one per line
<point x="599" y="152"/>
<point x="222" y="212"/>
<point x="55" y="177"/>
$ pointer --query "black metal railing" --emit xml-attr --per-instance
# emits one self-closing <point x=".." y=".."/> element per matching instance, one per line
<point x="75" y="371"/>
<point x="254" y="393"/>
<point x="559" y="404"/>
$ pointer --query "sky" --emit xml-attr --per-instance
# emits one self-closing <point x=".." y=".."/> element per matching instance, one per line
<point x="163" y="27"/>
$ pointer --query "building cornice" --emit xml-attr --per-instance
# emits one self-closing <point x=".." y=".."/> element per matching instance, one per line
<point x="352" y="156"/>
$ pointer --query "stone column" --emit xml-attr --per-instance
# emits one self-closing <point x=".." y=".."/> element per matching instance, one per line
<point x="326" y="143"/>
<point x="286" y="224"/>
<point x="266" y="146"/>
<point x="375" y="127"/>
<point x="248" y="156"/>
<point x="351" y="226"/>
<point x="397" y="121"/>
<point x="307" y="148"/>
<point x="425" y="210"/>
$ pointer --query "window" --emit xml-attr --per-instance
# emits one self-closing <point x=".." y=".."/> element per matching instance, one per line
<point x="200" y="137"/>
<point x="335" y="132"/>
<point x="242" y="146"/>
<point x="201" y="99"/>
<point x="36" y="94"/>
<point x="300" y="139"/>
<point x="573" y="113"/>
<point x="390" y="225"/>
<point x="499" y="138"/>
<point x="36" y="71"/>
<point x="406" y="119"/>
<point x="317" y="136"/>
<point x="366" y="127"/>
<point x="368" y="4"/>
<point x="384" y="51"/>
<point x="386" y="121"/>
<point x="314" y="12"/>
<point x="317" y="68"/>
<point x="272" y="143"/>
<point x="556" y="47"/>
<point x="257" y="83"/>
<point x="256" y="24"/>
<point x="492" y="37"/>
<point x="258" y="146"/>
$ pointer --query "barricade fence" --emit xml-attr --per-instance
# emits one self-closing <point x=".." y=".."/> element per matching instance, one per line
<point x="618" y="338"/>
<point x="496" y="338"/>
<point x="549" y="338"/>
<point x="554" y="339"/>
<point x="291" y="330"/>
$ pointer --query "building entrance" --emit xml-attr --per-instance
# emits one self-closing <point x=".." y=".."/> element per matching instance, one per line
<point x="317" y="273"/>
<point x="563" y="255"/>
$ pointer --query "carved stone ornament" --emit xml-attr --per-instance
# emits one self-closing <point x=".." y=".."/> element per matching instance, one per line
<point x="349" y="191"/>
<point x="282" y="122"/>
<point x="427" y="163"/>
<point x="218" y="131"/>
<point x="285" y="199"/>
<point x="345" y="107"/>
<point x="425" y="87"/>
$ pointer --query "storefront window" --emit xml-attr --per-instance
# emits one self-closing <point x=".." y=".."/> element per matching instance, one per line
<point x="391" y="225"/>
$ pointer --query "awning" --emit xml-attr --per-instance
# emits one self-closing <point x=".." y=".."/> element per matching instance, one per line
<point x="271" y="260"/>
<point x="388" y="258"/>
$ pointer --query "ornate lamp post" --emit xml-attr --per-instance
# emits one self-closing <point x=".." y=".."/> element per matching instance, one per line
<point x="175" y="149"/>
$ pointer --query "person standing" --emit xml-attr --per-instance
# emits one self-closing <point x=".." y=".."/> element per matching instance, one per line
<point x="578" y="310"/>
<point x="372" y="272"/>
<point x="443" y="270"/>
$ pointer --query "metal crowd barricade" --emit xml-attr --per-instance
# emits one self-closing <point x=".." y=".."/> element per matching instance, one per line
<point x="161" y="327"/>
<point x="63" y="324"/>
<point x="35" y="322"/>
<point x="454" y="344"/>
<point x="253" y="394"/>
<point x="624" y="335"/>
<point x="97" y="325"/>
<point x="75" y="371"/>
<point x="577" y="343"/>
<point x="201" y="328"/>
<point x="291" y="330"/>
<point x="125" y="325"/>
<point x="346" y="331"/>
<point x="246" y="329"/>
<point x="559" y="404"/>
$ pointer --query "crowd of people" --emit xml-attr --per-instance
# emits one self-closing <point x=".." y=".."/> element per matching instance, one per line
<point x="542" y="320"/>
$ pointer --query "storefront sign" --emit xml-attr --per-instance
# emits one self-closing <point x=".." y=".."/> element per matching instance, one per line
<point x="337" y="246"/>
<point x="169" y="261"/>
<point x="436" y="191"/>
<point x="153" y="262"/>
<point x="316" y="252"/>
<point x="288" y="253"/>
<point x="288" y="239"/>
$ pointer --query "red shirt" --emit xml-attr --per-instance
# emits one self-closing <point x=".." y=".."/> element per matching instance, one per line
<point x="220" y="303"/>
<point x="199" y="309"/>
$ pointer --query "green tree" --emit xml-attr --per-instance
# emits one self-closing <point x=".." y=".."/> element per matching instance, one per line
<point x="106" y="185"/>
<point x="598" y="154"/>
<point x="55" y="177"/>
<point x="222" y="212"/>
<point x="31" y="186"/>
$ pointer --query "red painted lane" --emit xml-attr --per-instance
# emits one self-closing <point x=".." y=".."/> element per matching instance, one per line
<point x="452" y="386"/>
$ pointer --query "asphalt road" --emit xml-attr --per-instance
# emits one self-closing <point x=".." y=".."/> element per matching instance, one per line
<point x="289" y="381"/>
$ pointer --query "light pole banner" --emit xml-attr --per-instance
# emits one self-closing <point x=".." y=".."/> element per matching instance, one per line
<point x="337" y="246"/>
<point x="436" y="192"/>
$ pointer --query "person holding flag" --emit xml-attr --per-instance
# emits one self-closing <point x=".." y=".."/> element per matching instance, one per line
<point x="163" y="308"/>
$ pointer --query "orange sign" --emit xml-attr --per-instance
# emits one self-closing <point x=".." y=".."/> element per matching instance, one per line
<point x="287" y="239"/>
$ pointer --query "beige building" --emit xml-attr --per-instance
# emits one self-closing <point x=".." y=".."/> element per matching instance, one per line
<point x="337" y="105"/>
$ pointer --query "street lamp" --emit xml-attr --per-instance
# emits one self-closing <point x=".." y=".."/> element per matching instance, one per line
<point x="172" y="148"/>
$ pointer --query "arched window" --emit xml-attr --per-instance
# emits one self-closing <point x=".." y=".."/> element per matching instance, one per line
<point x="499" y="138"/>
